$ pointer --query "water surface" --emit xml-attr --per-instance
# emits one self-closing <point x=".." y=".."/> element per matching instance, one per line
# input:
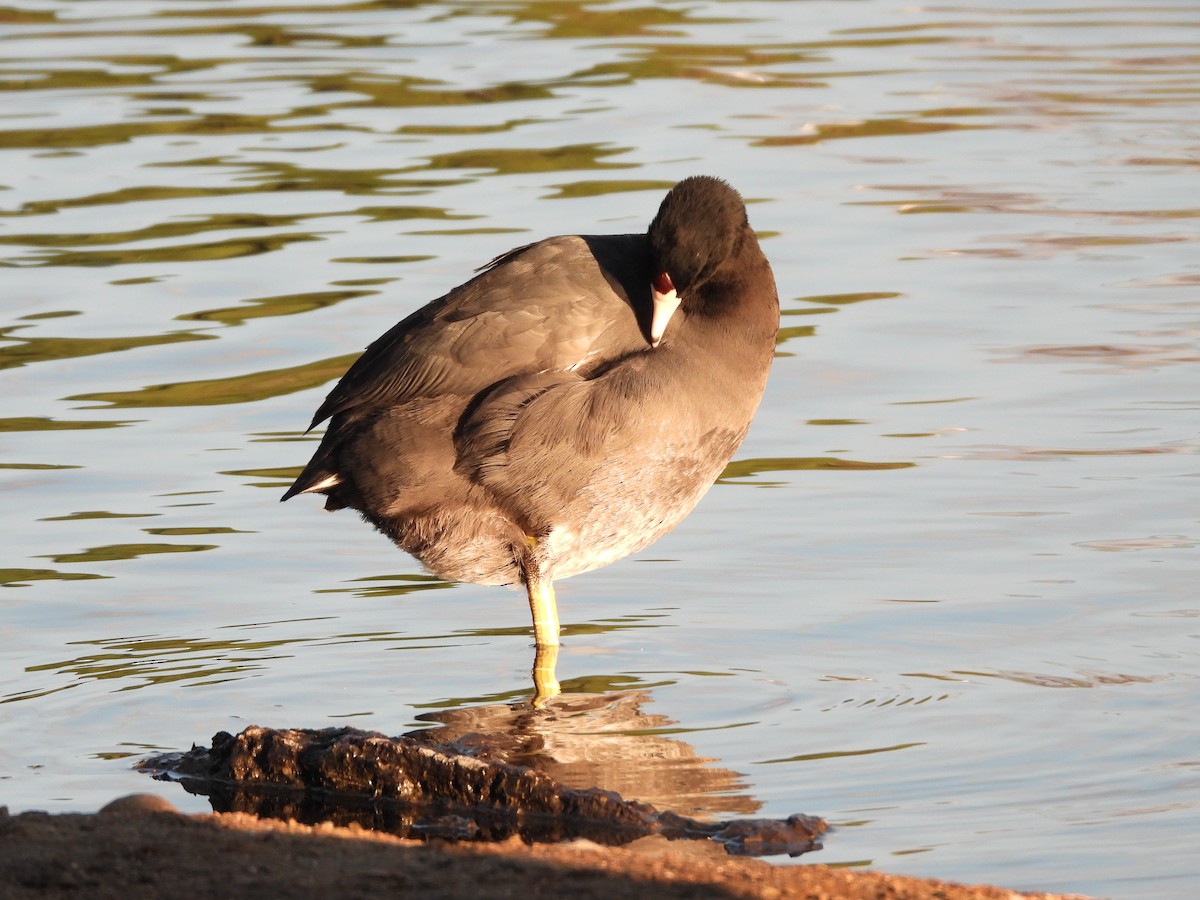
<point x="945" y="596"/>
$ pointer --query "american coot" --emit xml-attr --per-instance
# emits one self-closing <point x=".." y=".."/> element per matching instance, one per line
<point x="564" y="408"/>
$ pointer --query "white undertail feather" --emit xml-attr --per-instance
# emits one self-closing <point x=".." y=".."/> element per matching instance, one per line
<point x="327" y="482"/>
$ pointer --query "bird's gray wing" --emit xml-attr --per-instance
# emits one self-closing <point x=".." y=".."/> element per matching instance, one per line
<point x="562" y="304"/>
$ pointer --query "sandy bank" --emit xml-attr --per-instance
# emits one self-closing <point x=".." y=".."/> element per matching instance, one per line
<point x="140" y="847"/>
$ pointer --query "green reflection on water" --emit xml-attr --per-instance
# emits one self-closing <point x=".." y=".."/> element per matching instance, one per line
<point x="390" y="585"/>
<point x="273" y="176"/>
<point x="275" y="437"/>
<point x="289" y="473"/>
<point x="266" y="35"/>
<point x="846" y="299"/>
<point x="406" y="213"/>
<point x="268" y="176"/>
<point x="809" y="311"/>
<point x="461" y="231"/>
<point x="36" y="466"/>
<point x="40" y="423"/>
<point x="238" y="389"/>
<point x="571" y="19"/>
<point x="113" y="552"/>
<point x="22" y="577"/>
<point x="793" y="331"/>
<point x="79" y="136"/>
<point x="13" y="16"/>
<point x="745" y="468"/>
<point x="203" y="252"/>
<point x="55" y="314"/>
<point x="378" y="260"/>
<point x="836" y="754"/>
<point x="513" y="161"/>
<point x="577" y="189"/>
<point x="25" y="81"/>
<point x="191" y="531"/>
<point x="170" y="229"/>
<point x="933" y="402"/>
<point x="450" y="130"/>
<point x="264" y="307"/>
<point x="145" y="194"/>
<point x="416" y="92"/>
<point x="38" y="349"/>
<point x="97" y="514"/>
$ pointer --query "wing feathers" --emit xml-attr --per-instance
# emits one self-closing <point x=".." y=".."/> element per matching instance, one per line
<point x="570" y="311"/>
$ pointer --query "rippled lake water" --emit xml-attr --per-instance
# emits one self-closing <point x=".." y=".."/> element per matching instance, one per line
<point x="946" y="595"/>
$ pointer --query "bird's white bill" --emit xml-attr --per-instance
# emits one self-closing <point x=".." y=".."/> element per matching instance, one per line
<point x="664" y="307"/>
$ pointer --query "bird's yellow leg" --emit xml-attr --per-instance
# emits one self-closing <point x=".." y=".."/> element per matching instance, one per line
<point x="541" y="598"/>
<point x="545" y="682"/>
<point x="545" y="628"/>
<point x="545" y="612"/>
<point x="545" y="636"/>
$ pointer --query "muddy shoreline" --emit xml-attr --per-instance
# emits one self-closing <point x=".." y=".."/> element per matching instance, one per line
<point x="454" y="812"/>
<point x="140" y="847"/>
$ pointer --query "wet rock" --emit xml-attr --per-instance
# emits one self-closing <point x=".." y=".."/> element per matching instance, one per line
<point x="137" y="805"/>
<point x="409" y="787"/>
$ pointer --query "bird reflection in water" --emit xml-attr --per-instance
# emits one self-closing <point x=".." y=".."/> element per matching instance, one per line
<point x="596" y="740"/>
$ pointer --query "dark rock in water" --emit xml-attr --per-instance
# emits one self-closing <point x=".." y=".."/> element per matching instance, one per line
<point x="408" y="787"/>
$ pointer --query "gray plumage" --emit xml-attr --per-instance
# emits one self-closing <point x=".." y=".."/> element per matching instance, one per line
<point x="524" y="427"/>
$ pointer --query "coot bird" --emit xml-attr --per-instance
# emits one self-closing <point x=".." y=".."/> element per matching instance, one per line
<point x="564" y="408"/>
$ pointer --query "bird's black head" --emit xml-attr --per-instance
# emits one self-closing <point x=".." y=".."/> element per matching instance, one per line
<point x="699" y="227"/>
